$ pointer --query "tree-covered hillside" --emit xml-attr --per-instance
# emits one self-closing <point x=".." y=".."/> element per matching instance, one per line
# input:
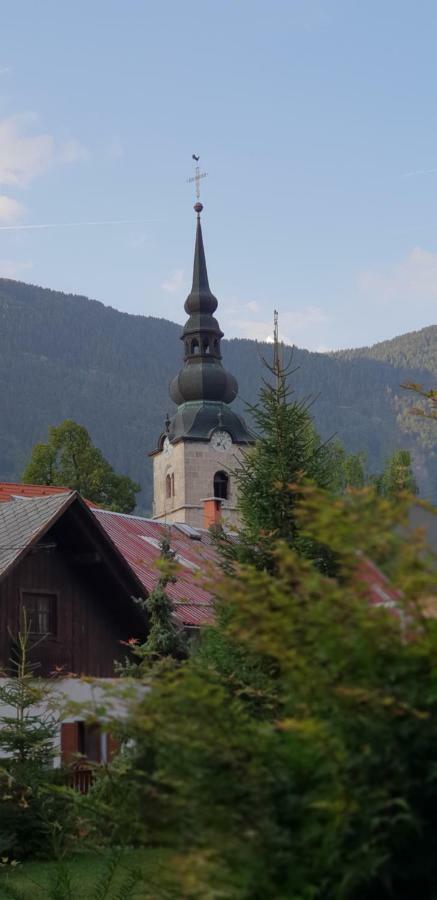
<point x="417" y="350"/>
<point x="67" y="357"/>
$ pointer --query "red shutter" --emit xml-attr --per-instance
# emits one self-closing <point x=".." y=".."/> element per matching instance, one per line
<point x="69" y="741"/>
<point x="113" y="747"/>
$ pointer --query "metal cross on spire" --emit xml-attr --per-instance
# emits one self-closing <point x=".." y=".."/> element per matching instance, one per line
<point x="197" y="176"/>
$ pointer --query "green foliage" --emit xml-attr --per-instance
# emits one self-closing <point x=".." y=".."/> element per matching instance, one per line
<point x="165" y="641"/>
<point x="116" y="881"/>
<point x="428" y="408"/>
<point x="397" y="476"/>
<point x="69" y="459"/>
<point x="325" y="788"/>
<point x="288" y="452"/>
<point x="28" y="725"/>
<point x="64" y="356"/>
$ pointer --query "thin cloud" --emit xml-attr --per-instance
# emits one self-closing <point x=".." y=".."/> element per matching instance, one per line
<point x="115" y="149"/>
<point x="26" y="154"/>
<point x="298" y="323"/>
<point x="174" y="283"/>
<point x="410" y="283"/>
<point x="73" y="224"/>
<point x="14" y="268"/>
<point x="419" y="172"/>
<point x="72" y="151"/>
<point x="10" y="210"/>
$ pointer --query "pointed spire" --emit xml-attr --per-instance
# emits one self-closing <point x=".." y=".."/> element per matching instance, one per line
<point x="203" y="377"/>
<point x="200" y="299"/>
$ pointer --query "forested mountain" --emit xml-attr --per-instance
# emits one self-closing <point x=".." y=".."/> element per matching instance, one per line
<point x="64" y="356"/>
<point x="415" y="350"/>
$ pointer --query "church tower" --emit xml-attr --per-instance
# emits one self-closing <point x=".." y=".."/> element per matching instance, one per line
<point x="202" y="443"/>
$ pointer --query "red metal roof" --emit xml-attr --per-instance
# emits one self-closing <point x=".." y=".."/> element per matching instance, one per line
<point x="10" y="489"/>
<point x="138" y="540"/>
<point x="378" y="590"/>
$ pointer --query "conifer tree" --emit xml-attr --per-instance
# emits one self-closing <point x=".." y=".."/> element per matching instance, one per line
<point x="287" y="452"/>
<point x="164" y="640"/>
<point x="28" y="726"/>
<point x="397" y="476"/>
<point x="428" y="401"/>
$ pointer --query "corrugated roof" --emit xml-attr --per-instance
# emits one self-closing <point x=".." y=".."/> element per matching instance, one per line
<point x="25" y="510"/>
<point x="22" y="519"/>
<point x="10" y="489"/>
<point x="138" y="540"/>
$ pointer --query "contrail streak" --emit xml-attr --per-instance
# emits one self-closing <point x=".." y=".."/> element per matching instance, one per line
<point x="74" y="224"/>
<point x="419" y="172"/>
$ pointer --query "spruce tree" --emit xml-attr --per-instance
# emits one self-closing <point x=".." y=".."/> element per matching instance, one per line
<point x="28" y="727"/>
<point x="397" y="476"/>
<point x="165" y="640"/>
<point x="287" y="453"/>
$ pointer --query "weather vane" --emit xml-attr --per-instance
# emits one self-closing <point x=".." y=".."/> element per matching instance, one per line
<point x="197" y="176"/>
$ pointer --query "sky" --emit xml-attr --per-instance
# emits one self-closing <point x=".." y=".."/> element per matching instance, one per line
<point x="315" y="120"/>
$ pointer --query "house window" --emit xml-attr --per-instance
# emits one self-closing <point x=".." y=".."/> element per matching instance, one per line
<point x="40" y="610"/>
<point x="90" y="741"/>
<point x="172" y="484"/>
<point x="221" y="485"/>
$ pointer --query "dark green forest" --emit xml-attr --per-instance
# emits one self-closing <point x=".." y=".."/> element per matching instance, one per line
<point x="68" y="357"/>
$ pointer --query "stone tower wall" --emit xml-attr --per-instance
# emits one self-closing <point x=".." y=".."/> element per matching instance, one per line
<point x="193" y="464"/>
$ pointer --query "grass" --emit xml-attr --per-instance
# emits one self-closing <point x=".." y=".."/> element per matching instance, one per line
<point x="34" y="878"/>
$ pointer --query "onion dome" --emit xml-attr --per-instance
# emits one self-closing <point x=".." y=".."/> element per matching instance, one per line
<point x="202" y="378"/>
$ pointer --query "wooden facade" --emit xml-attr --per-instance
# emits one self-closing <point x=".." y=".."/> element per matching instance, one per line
<point x="89" y="590"/>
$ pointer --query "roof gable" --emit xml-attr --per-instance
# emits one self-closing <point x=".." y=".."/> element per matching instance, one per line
<point x="23" y="521"/>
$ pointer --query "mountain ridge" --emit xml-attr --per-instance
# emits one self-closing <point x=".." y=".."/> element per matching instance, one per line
<point x="68" y="356"/>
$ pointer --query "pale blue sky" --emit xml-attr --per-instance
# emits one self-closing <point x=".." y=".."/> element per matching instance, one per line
<point x="316" y="123"/>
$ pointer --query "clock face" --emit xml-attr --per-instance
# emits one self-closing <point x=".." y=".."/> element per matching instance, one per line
<point x="221" y="440"/>
<point x="167" y="447"/>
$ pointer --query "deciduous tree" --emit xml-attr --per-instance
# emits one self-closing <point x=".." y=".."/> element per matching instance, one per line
<point x="70" y="459"/>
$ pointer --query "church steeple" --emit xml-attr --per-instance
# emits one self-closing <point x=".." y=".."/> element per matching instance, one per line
<point x="196" y="454"/>
<point x="202" y="377"/>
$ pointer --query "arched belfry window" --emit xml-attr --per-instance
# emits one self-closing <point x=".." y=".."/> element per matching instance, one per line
<point x="194" y="346"/>
<point x="221" y="485"/>
<point x="169" y="485"/>
<point x="206" y="346"/>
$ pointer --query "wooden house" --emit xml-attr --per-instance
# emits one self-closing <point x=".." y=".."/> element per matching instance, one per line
<point x="58" y="564"/>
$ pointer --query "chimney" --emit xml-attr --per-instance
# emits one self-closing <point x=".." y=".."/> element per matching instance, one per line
<point x="212" y="511"/>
